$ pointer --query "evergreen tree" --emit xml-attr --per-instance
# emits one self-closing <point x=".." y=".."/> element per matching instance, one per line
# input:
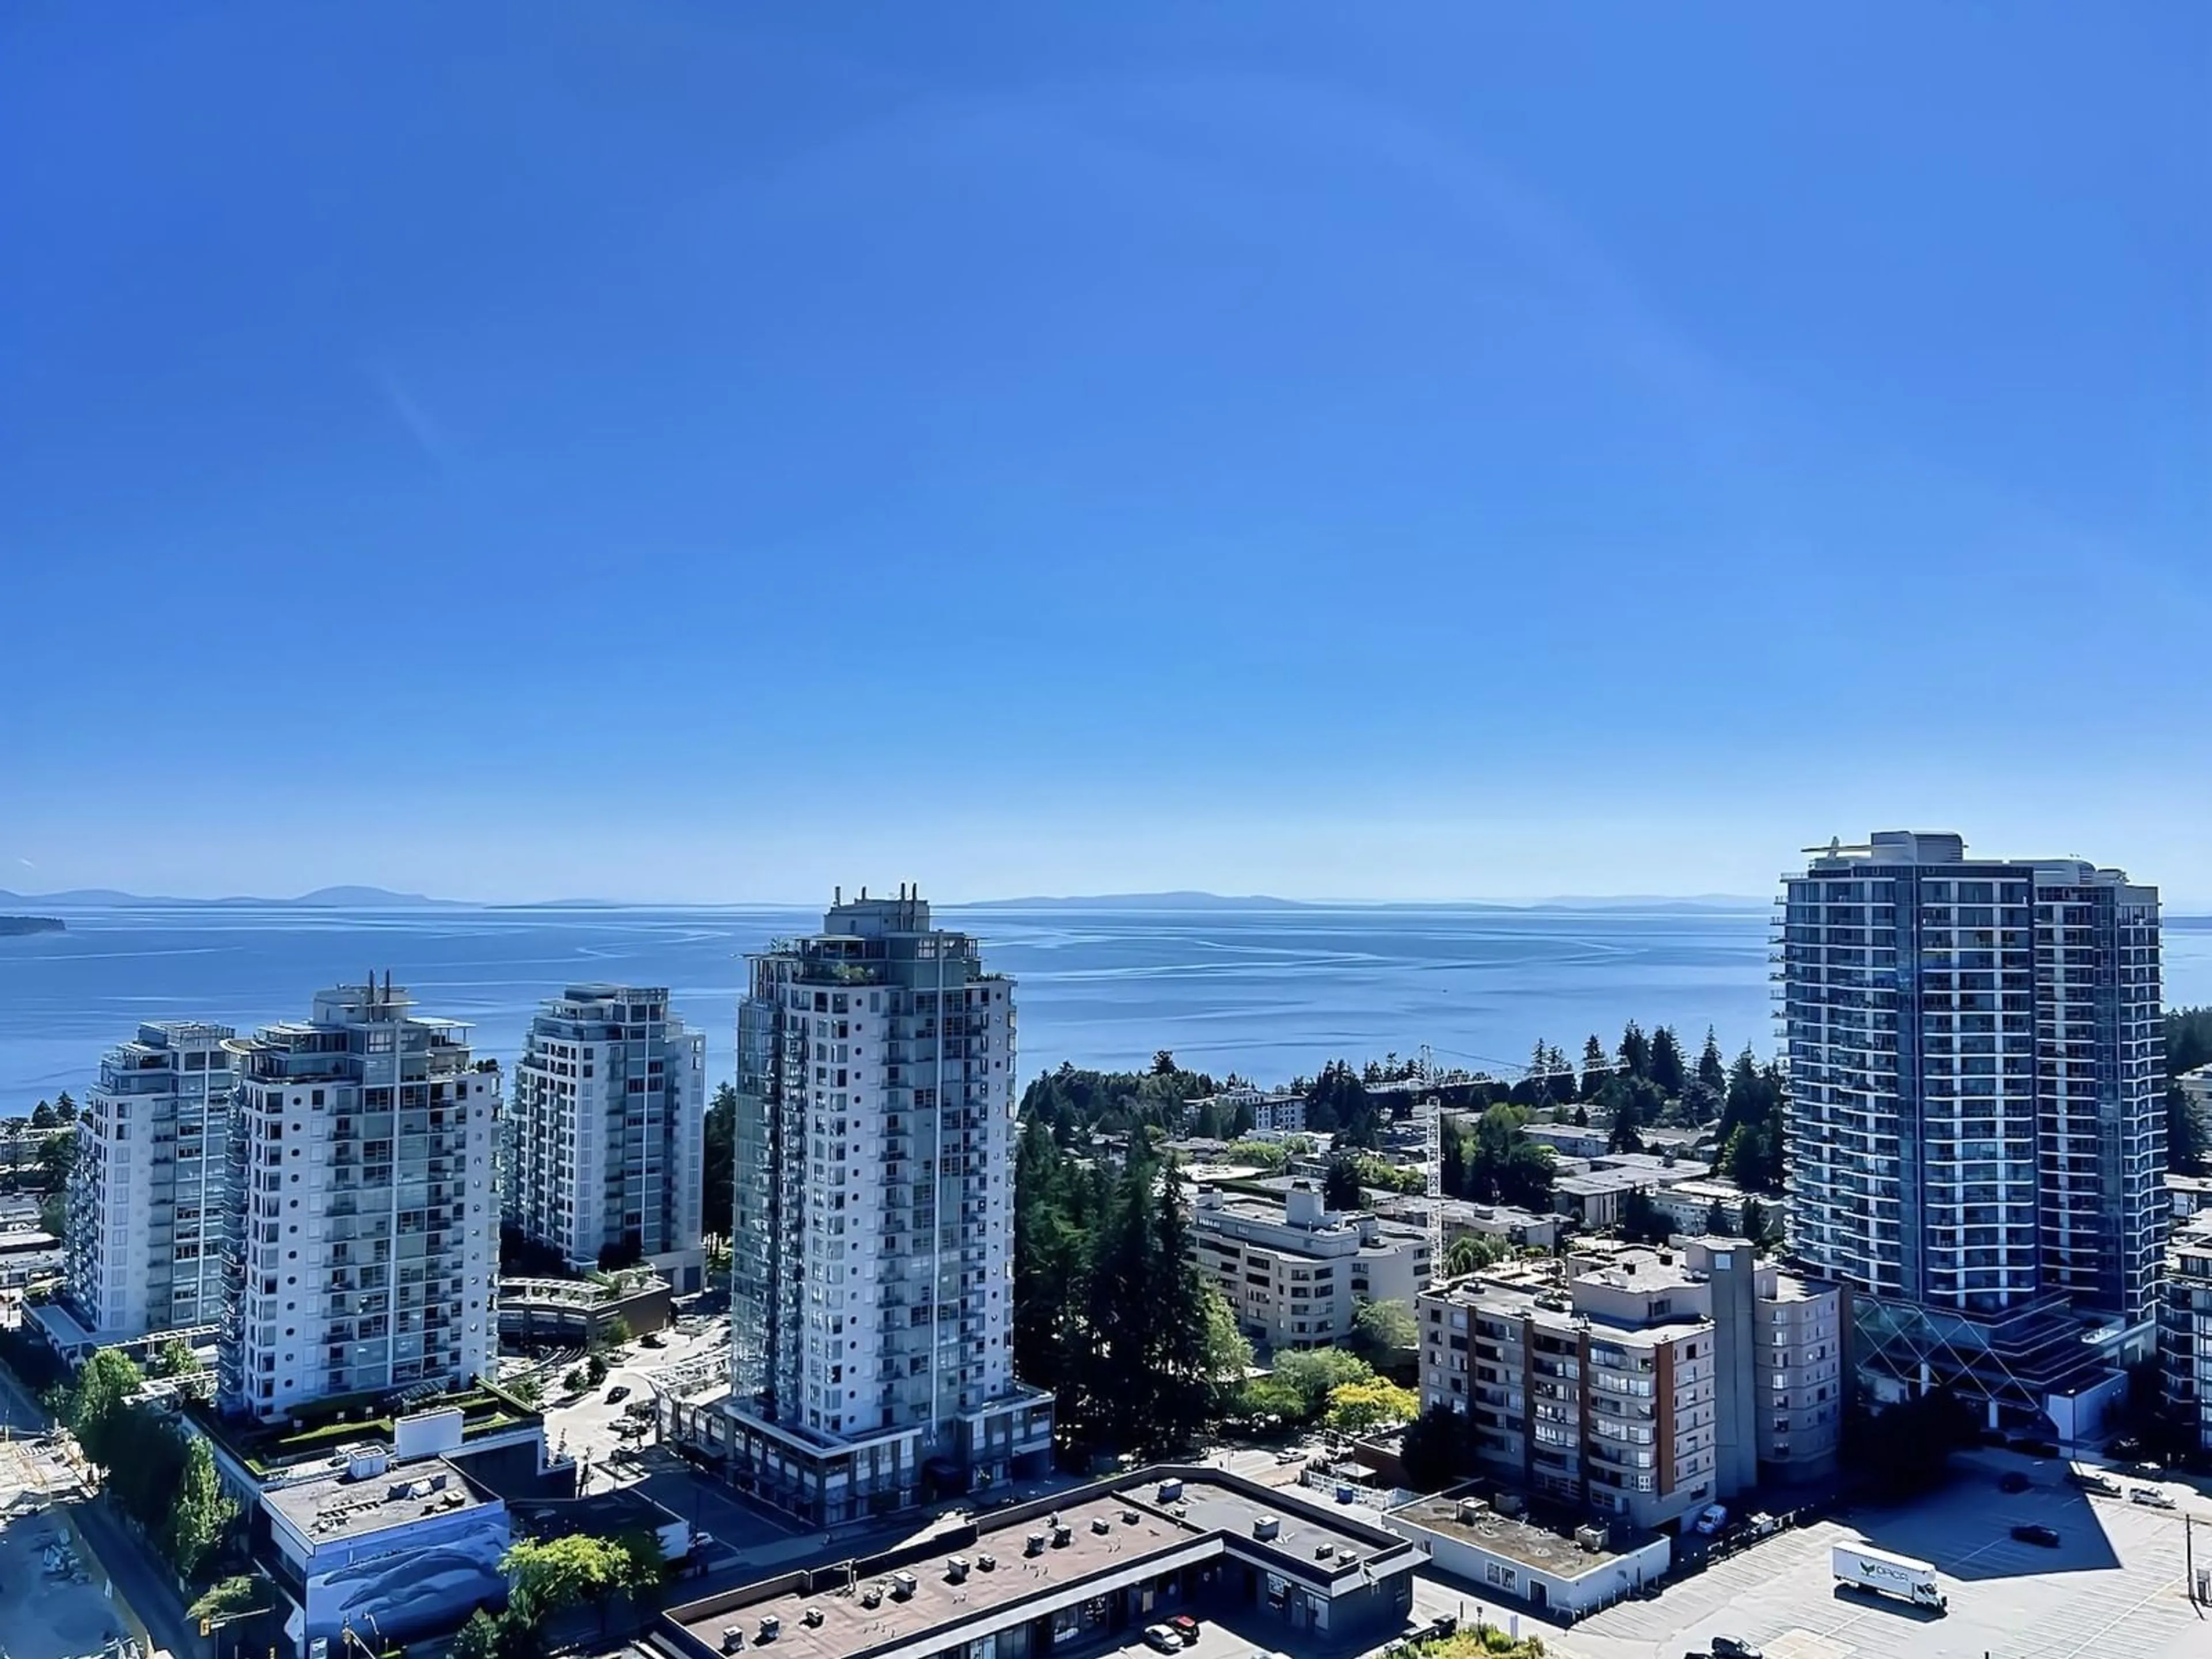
<point x="1717" y="1220"/>
<point x="1451" y="1146"/>
<point x="42" y="1115"/>
<point x="1666" y="1062"/>
<point x="1181" y="1382"/>
<point x="1635" y="1050"/>
<point x="1641" y="1220"/>
<point x="1540" y="1074"/>
<point x="1338" y="1103"/>
<point x="719" y="1161"/>
<point x="1597" y="1066"/>
<point x="1712" y="1071"/>
<point x="1340" y="1186"/>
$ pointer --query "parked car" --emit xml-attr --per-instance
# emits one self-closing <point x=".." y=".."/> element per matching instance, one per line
<point x="1734" y="1647"/>
<point x="653" y="1339"/>
<point x="1710" y="1519"/>
<point x="2014" y="1480"/>
<point x="2151" y="1496"/>
<point x="2126" y="1449"/>
<point x="617" y="1394"/>
<point x="1289" y="1456"/>
<point x="1160" y="1638"/>
<point x="1186" y="1629"/>
<point x="2094" y="1480"/>
<point x="2047" y="1536"/>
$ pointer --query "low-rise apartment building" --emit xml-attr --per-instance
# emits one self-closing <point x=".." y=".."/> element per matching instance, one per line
<point x="2185" y="1329"/>
<point x="2186" y="1194"/>
<point x="1687" y="1206"/>
<point x="1651" y="1383"/>
<point x="1295" y="1274"/>
<point x="1275" y="1113"/>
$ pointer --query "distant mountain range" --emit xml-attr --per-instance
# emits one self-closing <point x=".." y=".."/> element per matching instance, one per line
<point x="323" y="898"/>
<point x="1194" y="901"/>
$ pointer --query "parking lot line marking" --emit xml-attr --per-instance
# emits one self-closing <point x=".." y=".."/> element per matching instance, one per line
<point x="2133" y="1608"/>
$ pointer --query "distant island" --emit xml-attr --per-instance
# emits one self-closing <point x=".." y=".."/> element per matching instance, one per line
<point x="11" y="926"/>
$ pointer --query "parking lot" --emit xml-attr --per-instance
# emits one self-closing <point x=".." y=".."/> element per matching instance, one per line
<point x="2114" y="1584"/>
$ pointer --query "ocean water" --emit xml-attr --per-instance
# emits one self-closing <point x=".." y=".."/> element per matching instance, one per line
<point x="1268" y="992"/>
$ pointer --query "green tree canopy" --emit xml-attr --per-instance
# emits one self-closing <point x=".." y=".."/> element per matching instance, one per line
<point x="2188" y="1046"/>
<point x="548" y="1576"/>
<point x="1472" y="1252"/>
<point x="1361" y="1408"/>
<point x="176" y="1359"/>
<point x="1384" y="1332"/>
<point x="1226" y="1354"/>
<point x="1311" y="1373"/>
<point x="105" y="1384"/>
<point x="201" y="1514"/>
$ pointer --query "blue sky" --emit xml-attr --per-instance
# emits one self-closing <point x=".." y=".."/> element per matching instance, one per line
<point x="716" y="452"/>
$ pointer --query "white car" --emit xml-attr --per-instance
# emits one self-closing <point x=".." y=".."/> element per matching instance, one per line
<point x="2151" y="1496"/>
<point x="1163" y="1639"/>
<point x="1710" y="1519"/>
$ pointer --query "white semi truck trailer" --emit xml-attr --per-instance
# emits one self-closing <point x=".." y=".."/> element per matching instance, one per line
<point x="1865" y="1567"/>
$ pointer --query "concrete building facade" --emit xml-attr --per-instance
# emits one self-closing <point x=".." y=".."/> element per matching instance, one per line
<point x="1295" y="1274"/>
<point x="1977" y="1126"/>
<point x="393" y="1551"/>
<point x="872" y="1295"/>
<point x="1651" y="1383"/>
<point x="2185" y="1331"/>
<point x="148" y="1192"/>
<point x="605" y="1131"/>
<point x="362" y="1254"/>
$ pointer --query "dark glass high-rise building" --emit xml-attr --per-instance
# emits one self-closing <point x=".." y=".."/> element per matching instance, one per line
<point x="1977" y="1124"/>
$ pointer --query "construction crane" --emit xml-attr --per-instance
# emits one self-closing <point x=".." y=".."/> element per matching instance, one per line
<point x="1432" y="1117"/>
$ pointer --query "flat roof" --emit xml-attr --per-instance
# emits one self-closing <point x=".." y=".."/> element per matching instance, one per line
<point x="335" y="1507"/>
<point x="1529" y="1542"/>
<point x="1213" y="1513"/>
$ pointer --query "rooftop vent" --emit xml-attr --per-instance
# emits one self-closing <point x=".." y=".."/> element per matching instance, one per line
<point x="1265" y="1526"/>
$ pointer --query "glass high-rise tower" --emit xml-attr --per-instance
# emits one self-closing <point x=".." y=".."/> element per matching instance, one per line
<point x="1976" y="1129"/>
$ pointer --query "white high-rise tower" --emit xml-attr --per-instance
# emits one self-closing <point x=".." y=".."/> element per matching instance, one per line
<point x="873" y="1316"/>
<point x="605" y="1131"/>
<point x="364" y="1247"/>
<point x="148" y="1190"/>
